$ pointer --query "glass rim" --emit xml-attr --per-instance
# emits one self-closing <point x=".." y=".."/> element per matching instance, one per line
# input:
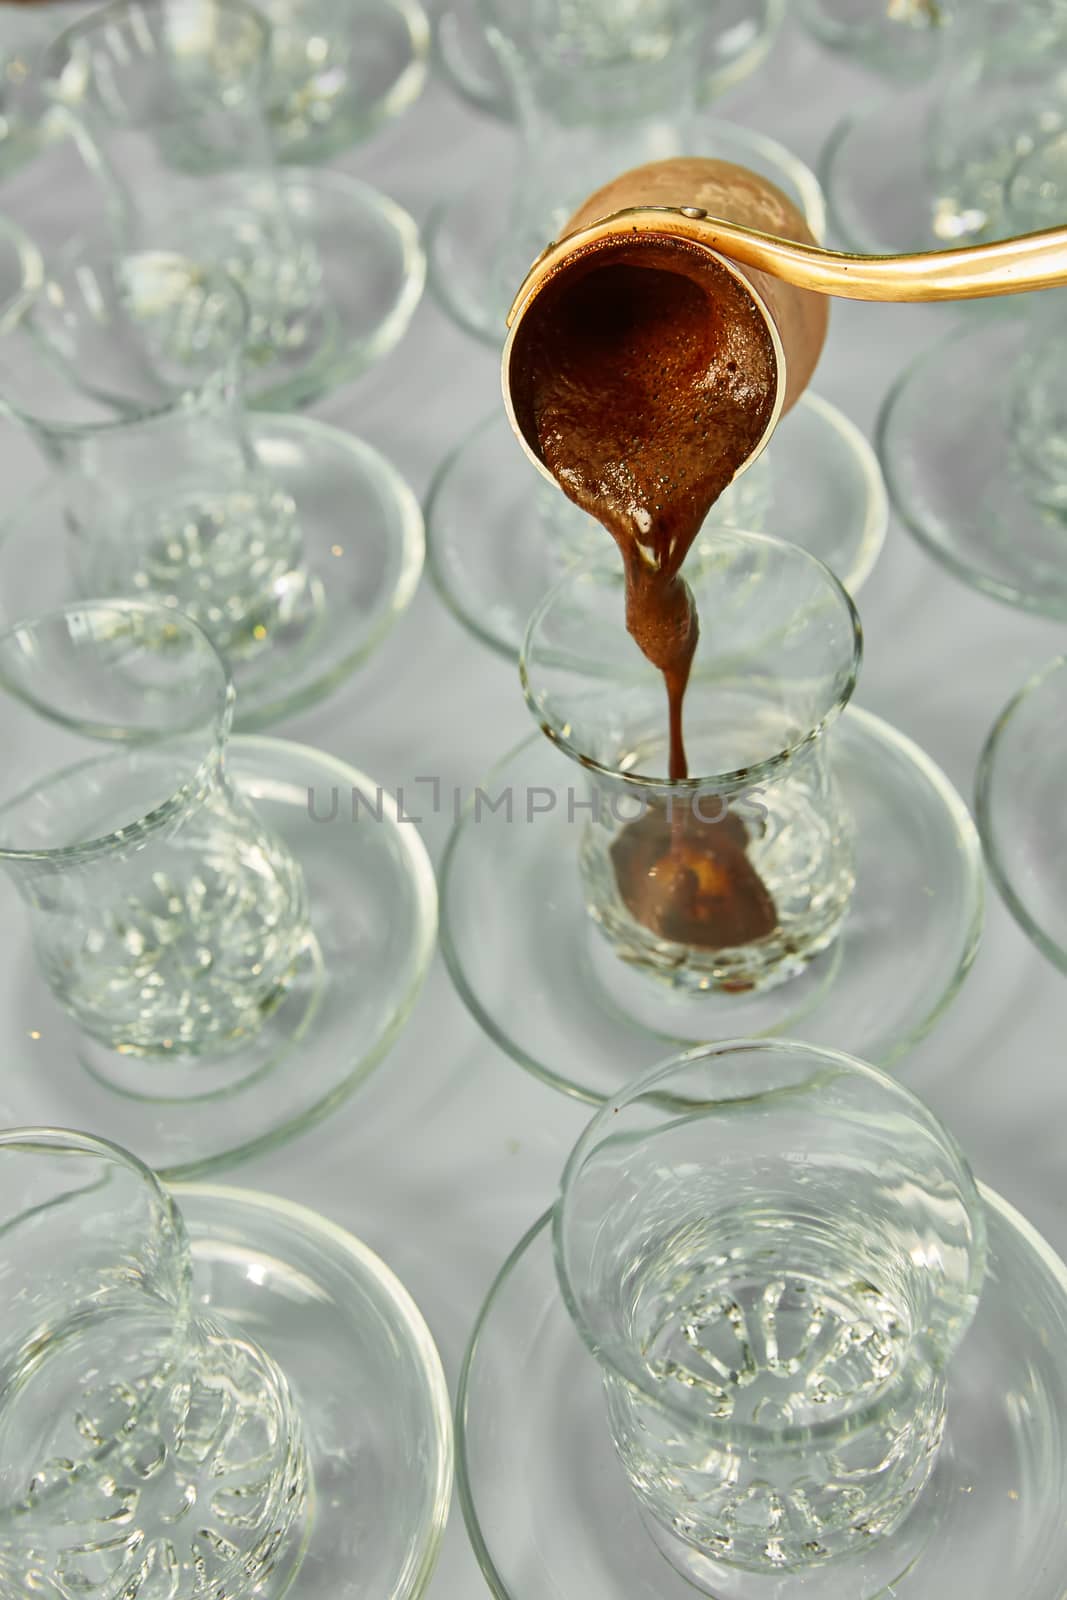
<point x="989" y="831"/>
<point x="72" y="1141"/>
<point x="150" y="822"/>
<point x="31" y="267"/>
<point x="555" y="731"/>
<point x="826" y="1063"/>
<point x="214" y="279"/>
<point x="52" y="65"/>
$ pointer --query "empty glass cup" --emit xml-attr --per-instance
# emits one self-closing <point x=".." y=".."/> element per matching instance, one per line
<point x="127" y="373"/>
<point x="339" y="70"/>
<point x="165" y="918"/>
<point x="772" y="1251"/>
<point x="145" y="1448"/>
<point x="1000" y="90"/>
<point x="737" y="877"/>
<point x="596" y="89"/>
<point x="166" y="99"/>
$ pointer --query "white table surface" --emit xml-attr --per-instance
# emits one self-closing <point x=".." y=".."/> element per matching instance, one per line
<point x="450" y="1151"/>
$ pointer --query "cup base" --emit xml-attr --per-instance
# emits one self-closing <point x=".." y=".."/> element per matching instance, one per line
<point x="946" y="443"/>
<point x="530" y="964"/>
<point x="361" y="571"/>
<point x="373" y="920"/>
<point x="316" y="115"/>
<point x="549" y="1509"/>
<point x="479" y="249"/>
<point x="818" y="484"/>
<point x="366" y="1380"/>
<point x="855" y="1577"/>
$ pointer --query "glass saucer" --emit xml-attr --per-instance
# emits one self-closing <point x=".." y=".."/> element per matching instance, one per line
<point x="550" y="1513"/>
<point x="366" y="1378"/>
<point x="364" y="569"/>
<point x="544" y="983"/>
<point x="478" y="253"/>
<point x="499" y="536"/>
<point x="461" y="55"/>
<point x="328" y="94"/>
<point x="373" y="917"/>
<point x="945" y="442"/>
<point x="1022" y="779"/>
<point x="372" y="275"/>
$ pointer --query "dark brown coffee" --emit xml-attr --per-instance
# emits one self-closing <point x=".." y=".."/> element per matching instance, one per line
<point x="647" y="380"/>
<point x="649" y="384"/>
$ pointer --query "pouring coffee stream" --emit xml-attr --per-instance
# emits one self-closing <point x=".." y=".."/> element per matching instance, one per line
<point x="652" y="351"/>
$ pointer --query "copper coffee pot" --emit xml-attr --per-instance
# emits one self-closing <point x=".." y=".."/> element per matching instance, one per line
<point x="754" y="233"/>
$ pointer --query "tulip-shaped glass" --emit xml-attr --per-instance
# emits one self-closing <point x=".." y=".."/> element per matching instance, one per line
<point x="166" y="99"/>
<point x="773" y="1252"/>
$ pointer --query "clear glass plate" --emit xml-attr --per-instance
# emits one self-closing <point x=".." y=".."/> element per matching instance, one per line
<point x="499" y="536"/>
<point x="545" y="985"/>
<point x="1022" y="780"/>
<point x="552" y="1517"/>
<point x="363" y="568"/>
<point x="373" y="916"/>
<point x="366" y="1378"/>
<point x="945" y="442"/>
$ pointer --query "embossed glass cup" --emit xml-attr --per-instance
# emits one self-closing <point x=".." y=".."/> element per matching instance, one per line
<point x="772" y="1250"/>
<point x="1004" y="95"/>
<point x="165" y="918"/>
<point x="167" y="100"/>
<point x="737" y="877"/>
<point x="144" y="1448"/>
<point x="126" y="370"/>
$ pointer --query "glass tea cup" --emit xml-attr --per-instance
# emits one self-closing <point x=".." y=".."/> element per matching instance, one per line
<point x="144" y="1449"/>
<point x="165" y="918"/>
<point x="772" y="1251"/>
<point x="166" y="103"/>
<point x="127" y="373"/>
<point x="737" y="877"/>
<point x="1004" y="94"/>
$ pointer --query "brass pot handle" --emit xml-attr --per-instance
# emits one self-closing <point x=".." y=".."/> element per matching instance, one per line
<point x="1007" y="266"/>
